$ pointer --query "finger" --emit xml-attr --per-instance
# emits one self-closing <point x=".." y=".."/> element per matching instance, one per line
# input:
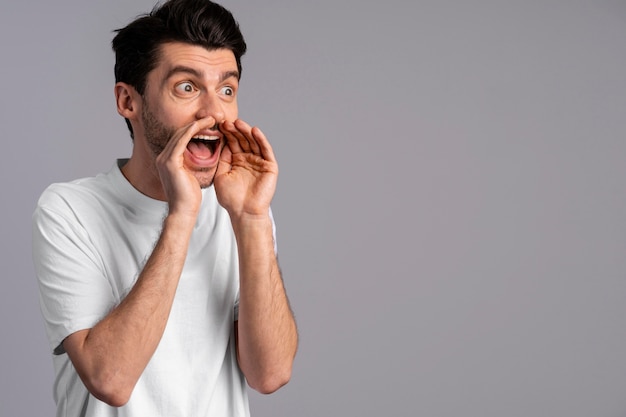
<point x="230" y="132"/>
<point x="241" y="131"/>
<point x="178" y="142"/>
<point x="246" y="130"/>
<point x="226" y="158"/>
<point x="266" y="150"/>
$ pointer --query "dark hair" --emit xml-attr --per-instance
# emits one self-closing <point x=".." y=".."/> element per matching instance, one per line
<point x="196" y="22"/>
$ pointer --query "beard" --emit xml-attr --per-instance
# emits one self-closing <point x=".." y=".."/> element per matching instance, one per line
<point x="158" y="135"/>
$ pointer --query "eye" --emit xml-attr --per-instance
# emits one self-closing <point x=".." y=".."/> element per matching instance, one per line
<point x="185" y="87"/>
<point x="228" y="91"/>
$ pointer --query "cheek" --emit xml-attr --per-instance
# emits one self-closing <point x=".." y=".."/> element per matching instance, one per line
<point x="177" y="116"/>
<point x="231" y="111"/>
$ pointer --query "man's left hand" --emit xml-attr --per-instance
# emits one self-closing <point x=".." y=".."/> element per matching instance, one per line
<point x="246" y="177"/>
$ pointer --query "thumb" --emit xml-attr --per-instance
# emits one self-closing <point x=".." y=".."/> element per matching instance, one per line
<point x="224" y="165"/>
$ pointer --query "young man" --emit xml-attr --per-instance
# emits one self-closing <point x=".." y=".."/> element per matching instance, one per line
<point x="159" y="282"/>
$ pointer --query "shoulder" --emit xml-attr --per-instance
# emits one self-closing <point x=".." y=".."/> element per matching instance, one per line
<point x="74" y="194"/>
<point x="82" y="200"/>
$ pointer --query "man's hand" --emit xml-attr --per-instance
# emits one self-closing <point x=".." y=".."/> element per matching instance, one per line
<point x="180" y="186"/>
<point x="246" y="177"/>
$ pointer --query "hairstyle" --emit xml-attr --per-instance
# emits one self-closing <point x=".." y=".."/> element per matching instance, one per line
<point x="196" y="22"/>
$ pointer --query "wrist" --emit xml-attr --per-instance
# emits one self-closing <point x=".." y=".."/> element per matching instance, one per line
<point x="248" y="223"/>
<point x="180" y="222"/>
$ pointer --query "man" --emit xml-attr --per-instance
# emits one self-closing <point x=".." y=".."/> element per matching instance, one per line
<point x="159" y="281"/>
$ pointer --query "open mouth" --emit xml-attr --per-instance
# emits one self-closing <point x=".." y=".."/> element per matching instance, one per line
<point x="203" y="147"/>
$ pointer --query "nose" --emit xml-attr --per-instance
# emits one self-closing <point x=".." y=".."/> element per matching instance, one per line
<point x="210" y="106"/>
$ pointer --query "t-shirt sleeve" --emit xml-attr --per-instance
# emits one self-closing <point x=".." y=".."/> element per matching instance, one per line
<point x="274" y="232"/>
<point x="74" y="293"/>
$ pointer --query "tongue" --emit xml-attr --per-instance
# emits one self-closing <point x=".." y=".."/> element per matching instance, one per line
<point x="199" y="150"/>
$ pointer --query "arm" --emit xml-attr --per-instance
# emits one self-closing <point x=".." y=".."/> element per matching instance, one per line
<point x="111" y="356"/>
<point x="266" y="332"/>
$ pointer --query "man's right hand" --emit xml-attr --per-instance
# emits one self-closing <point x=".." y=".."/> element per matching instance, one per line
<point x="179" y="185"/>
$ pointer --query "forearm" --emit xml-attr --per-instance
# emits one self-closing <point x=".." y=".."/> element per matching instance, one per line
<point x="112" y="355"/>
<point x="267" y="335"/>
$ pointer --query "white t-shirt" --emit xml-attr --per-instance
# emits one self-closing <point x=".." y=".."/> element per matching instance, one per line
<point x="91" y="239"/>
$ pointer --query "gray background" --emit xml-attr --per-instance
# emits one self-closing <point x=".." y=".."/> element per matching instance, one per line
<point x="451" y="208"/>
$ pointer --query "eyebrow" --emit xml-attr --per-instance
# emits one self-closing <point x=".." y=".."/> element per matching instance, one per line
<point x="198" y="74"/>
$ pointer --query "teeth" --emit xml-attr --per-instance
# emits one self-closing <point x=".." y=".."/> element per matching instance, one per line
<point x="206" y="137"/>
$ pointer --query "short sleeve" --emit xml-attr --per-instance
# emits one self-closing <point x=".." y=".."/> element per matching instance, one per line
<point x="73" y="290"/>
<point x="274" y="232"/>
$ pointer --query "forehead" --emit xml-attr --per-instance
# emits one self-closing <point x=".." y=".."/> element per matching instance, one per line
<point x="212" y="63"/>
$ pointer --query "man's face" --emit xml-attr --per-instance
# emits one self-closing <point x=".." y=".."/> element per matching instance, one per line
<point x="190" y="83"/>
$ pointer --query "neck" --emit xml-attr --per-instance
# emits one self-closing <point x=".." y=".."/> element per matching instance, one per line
<point x="144" y="177"/>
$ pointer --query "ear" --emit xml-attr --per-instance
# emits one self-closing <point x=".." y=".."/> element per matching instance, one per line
<point x="127" y="100"/>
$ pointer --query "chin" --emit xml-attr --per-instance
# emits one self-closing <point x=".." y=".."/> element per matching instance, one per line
<point x="205" y="179"/>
